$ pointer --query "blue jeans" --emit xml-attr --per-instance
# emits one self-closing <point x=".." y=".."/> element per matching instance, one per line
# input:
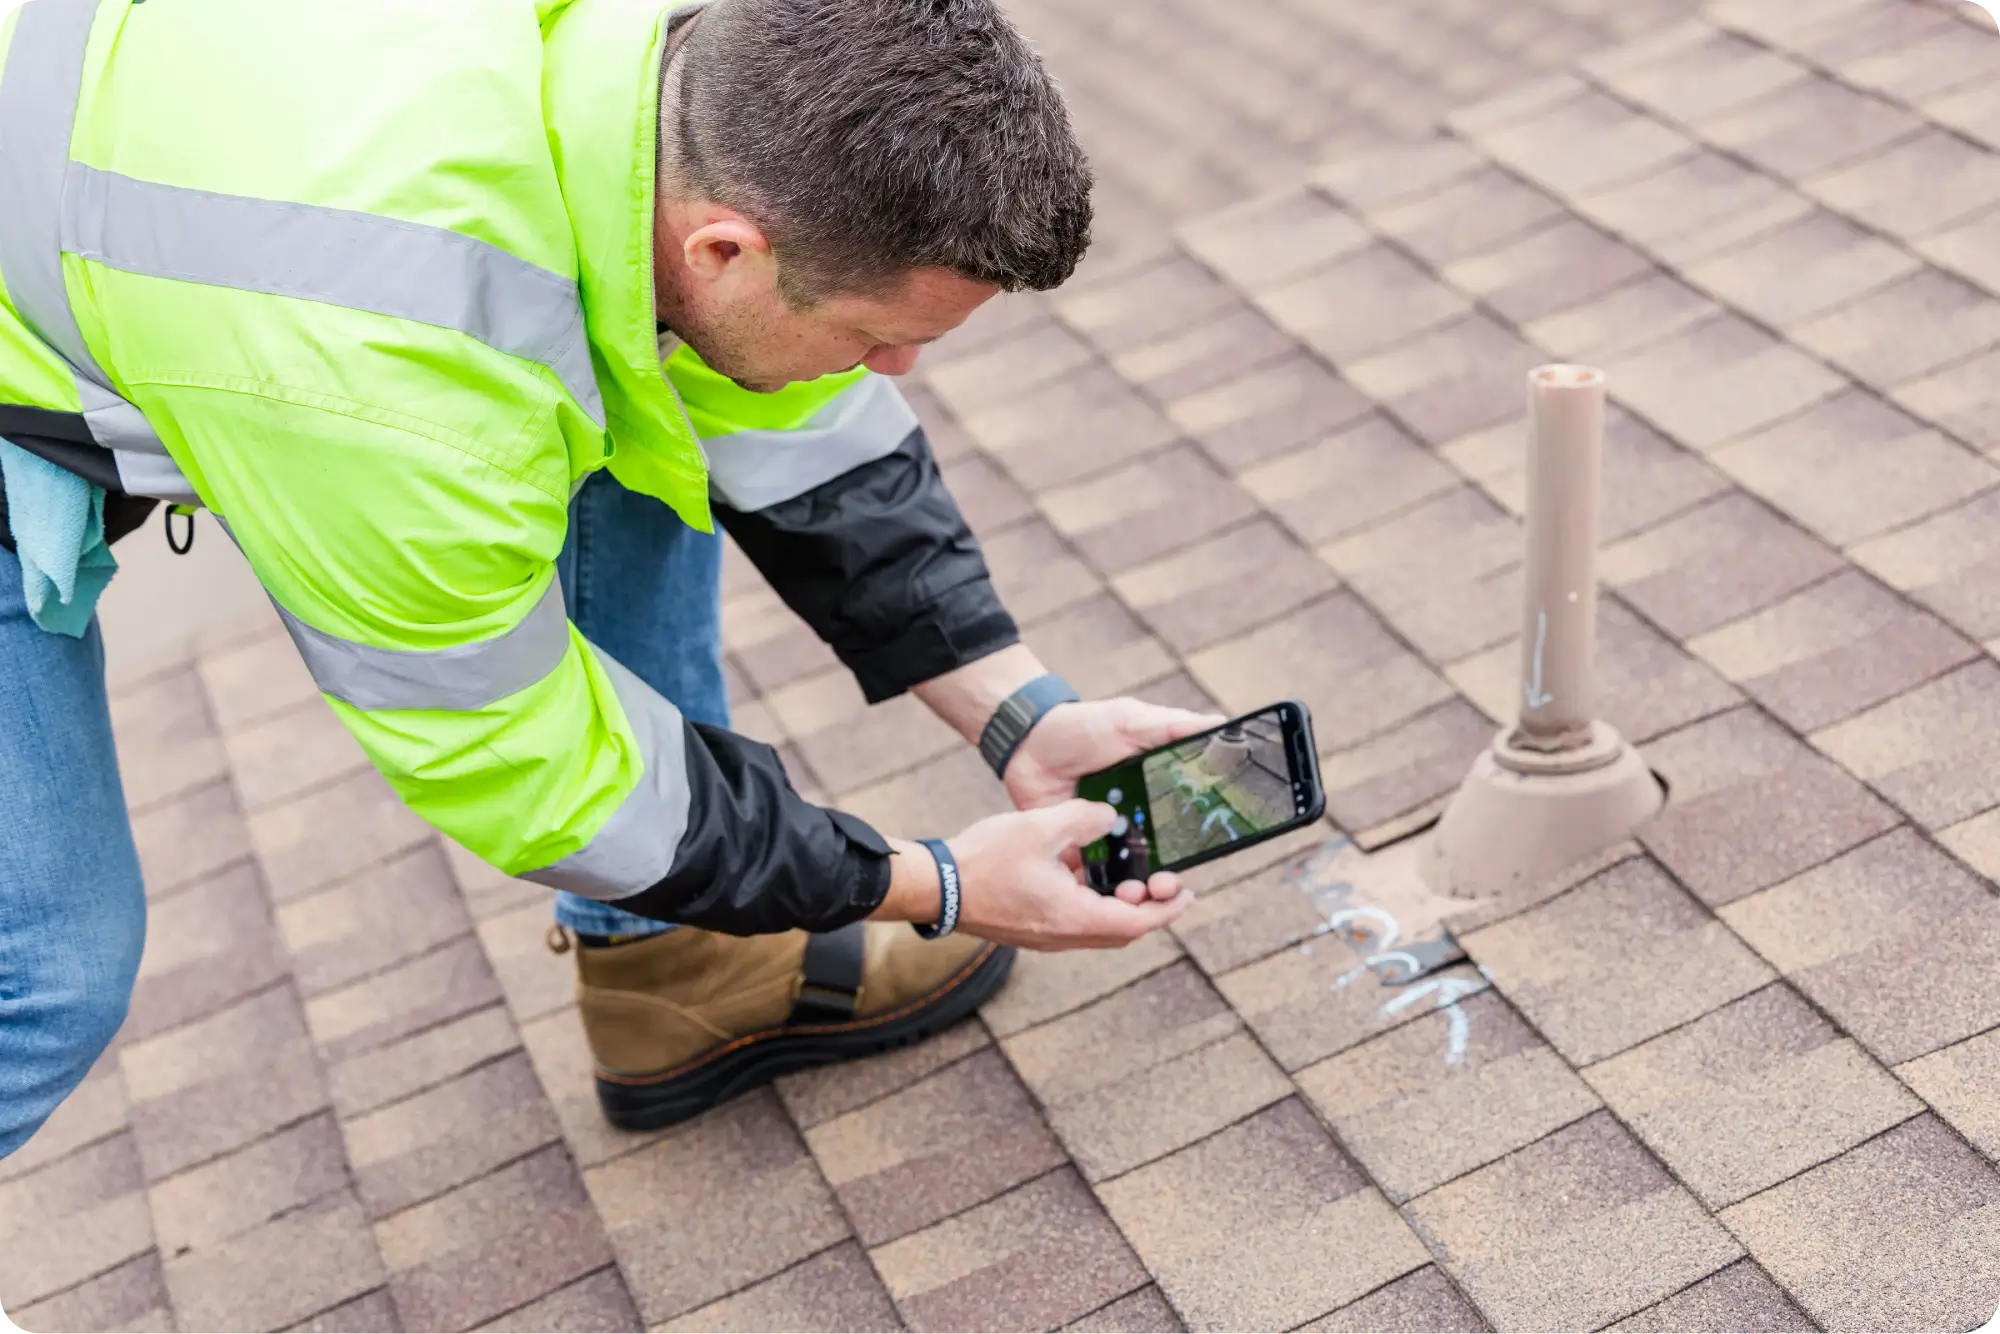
<point x="642" y="586"/>
<point x="647" y="589"/>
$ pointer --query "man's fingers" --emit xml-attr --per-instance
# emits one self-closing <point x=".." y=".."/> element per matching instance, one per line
<point x="1164" y="885"/>
<point x="1118" y="922"/>
<point x="1075" y="823"/>
<point x="1149" y="725"/>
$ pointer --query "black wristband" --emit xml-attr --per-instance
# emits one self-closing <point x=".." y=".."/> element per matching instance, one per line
<point x="1017" y="716"/>
<point x="947" y="866"/>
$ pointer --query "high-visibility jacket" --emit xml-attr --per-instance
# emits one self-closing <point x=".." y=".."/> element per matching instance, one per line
<point x="373" y="282"/>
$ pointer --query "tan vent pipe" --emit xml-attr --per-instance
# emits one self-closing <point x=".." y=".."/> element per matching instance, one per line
<point x="1560" y="785"/>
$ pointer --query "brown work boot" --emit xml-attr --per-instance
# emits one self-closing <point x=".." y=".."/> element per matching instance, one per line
<point x="683" y="1021"/>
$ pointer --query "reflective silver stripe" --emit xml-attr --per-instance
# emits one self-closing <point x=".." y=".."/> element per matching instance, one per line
<point x="753" y="470"/>
<point x="38" y="96"/>
<point x="406" y="270"/>
<point x="153" y="475"/>
<point x="468" y="676"/>
<point x="635" y="848"/>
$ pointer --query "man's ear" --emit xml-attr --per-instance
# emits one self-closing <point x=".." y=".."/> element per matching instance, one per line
<point x="712" y="250"/>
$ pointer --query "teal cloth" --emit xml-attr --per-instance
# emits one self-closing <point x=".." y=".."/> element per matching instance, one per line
<point x="58" y="524"/>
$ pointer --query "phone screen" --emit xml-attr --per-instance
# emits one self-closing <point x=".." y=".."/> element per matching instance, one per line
<point x="1195" y="797"/>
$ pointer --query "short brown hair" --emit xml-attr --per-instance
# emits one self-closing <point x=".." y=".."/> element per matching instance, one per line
<point x="867" y="138"/>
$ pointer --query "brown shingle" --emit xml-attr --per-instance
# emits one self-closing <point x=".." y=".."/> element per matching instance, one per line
<point x="1751" y="806"/>
<point x="1695" y="73"/>
<point x="95" y="1109"/>
<point x="1714" y="381"/>
<point x="1465" y="376"/>
<point x="1473" y="214"/>
<point x="222" y="1199"/>
<point x="287" y="754"/>
<point x="820" y="1094"/>
<point x="1146" y="509"/>
<point x="1623" y="320"/>
<point x="427" y="1144"/>
<point x="1548" y="270"/>
<point x="1859" y="937"/>
<point x="191" y="836"/>
<point x="596" y="1302"/>
<point x="1585" y="144"/>
<point x="1035" y="572"/>
<point x="290" y="1268"/>
<point x="373" y="1312"/>
<point x="723" y="1201"/>
<point x="1855" y="467"/>
<point x="383" y="916"/>
<point x="1833" y="650"/>
<point x="1365" y="303"/>
<point x="1947" y="563"/>
<point x="1445" y="574"/>
<point x="1963" y="400"/>
<point x="1265" y="241"/>
<point x="1802" y="270"/>
<point x="1713" y="564"/>
<point x="534" y="980"/>
<point x="1071" y="428"/>
<point x="1228" y="344"/>
<point x="1922" y="750"/>
<point x="1333" y="655"/>
<point x="1036" y="1258"/>
<point x="1809" y="127"/>
<point x="1546" y="1238"/>
<point x="79" y="1216"/>
<point x="1146" y="304"/>
<point x="167" y="743"/>
<point x="1453" y="1091"/>
<point x="131" y="1296"/>
<point x="1220" y="587"/>
<point x="206" y="947"/>
<point x="311" y="841"/>
<point x="1142" y="1312"/>
<point x="255" y="679"/>
<point x="1408" y="768"/>
<point x="945" y="794"/>
<point x="221" y="1082"/>
<point x="1100" y="647"/>
<point x="1424" y="1300"/>
<point x="1376" y="180"/>
<point x="389" y="1006"/>
<point x="1907" y="330"/>
<point x="1916" y="187"/>
<point x="1895" y="1234"/>
<point x="1751" y="1094"/>
<point x="834" y="1290"/>
<point x="1621" y="959"/>
<point x="946" y="1143"/>
<point x="1263" y="1226"/>
<point x="1029" y="358"/>
<point x="1313" y="489"/>
<point x="1647" y="478"/>
<point x="1957" y="1082"/>
<point x="1277" y="407"/>
<point x="493" y="1245"/>
<point x="1729" y="1301"/>
<point x="1694" y="208"/>
<point x="1299" y="1008"/>
<point x="415" y="1063"/>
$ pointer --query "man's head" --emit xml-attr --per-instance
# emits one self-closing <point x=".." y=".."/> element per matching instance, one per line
<point x="845" y="180"/>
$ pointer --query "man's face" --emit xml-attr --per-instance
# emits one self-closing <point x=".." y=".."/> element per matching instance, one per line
<point x="717" y="288"/>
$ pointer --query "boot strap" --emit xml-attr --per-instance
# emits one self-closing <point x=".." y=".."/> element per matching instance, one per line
<point x="830" y="979"/>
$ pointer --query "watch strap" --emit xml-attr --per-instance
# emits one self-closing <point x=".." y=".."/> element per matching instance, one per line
<point x="1017" y="715"/>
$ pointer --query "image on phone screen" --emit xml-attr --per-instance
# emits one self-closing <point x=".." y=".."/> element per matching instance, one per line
<point x="1192" y="798"/>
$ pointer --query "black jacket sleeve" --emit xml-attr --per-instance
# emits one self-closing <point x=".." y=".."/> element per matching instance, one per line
<point x="881" y="564"/>
<point x="757" y="857"/>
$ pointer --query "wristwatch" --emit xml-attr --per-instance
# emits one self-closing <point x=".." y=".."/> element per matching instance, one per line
<point x="1017" y="716"/>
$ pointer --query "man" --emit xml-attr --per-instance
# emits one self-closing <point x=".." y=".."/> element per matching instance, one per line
<point x="465" y="318"/>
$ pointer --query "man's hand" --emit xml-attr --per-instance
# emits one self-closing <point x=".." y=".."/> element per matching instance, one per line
<point x="1018" y="884"/>
<point x="1072" y="740"/>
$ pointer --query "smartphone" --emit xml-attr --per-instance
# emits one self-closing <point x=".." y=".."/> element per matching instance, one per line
<point x="1249" y="780"/>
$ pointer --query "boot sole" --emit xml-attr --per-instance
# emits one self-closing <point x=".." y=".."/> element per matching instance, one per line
<point x="649" y="1102"/>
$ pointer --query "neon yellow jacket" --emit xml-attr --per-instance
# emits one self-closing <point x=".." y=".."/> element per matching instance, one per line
<point x="373" y="281"/>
